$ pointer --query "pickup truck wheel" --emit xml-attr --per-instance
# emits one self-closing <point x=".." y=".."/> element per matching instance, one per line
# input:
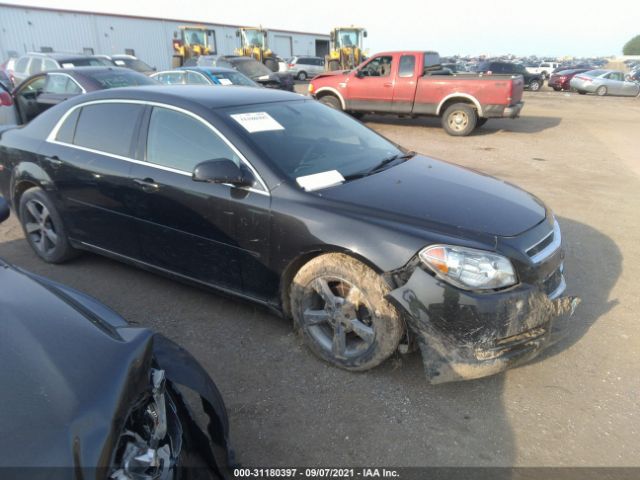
<point x="601" y="91"/>
<point x="302" y="76"/>
<point x="339" y="306"/>
<point x="331" y="101"/>
<point x="534" y="86"/>
<point x="459" y="119"/>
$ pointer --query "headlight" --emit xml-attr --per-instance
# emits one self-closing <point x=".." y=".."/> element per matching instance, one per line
<point x="469" y="268"/>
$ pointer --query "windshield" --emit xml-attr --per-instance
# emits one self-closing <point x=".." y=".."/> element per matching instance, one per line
<point x="119" y="78"/>
<point x="133" y="64"/>
<point x="233" y="78"/>
<point x="348" y="38"/>
<point x="194" y="37"/>
<point x="251" y="68"/>
<point x="304" y="137"/>
<point x="254" y="38"/>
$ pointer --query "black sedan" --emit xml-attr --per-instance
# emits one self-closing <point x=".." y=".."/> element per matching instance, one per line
<point x="41" y="91"/>
<point x="249" y="67"/>
<point x="86" y="395"/>
<point x="276" y="198"/>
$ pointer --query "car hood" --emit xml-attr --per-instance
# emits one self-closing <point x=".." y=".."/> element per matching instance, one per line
<point x="434" y="194"/>
<point x="336" y="73"/>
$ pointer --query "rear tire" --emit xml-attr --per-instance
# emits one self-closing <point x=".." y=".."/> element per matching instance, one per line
<point x="534" y="86"/>
<point x="43" y="227"/>
<point x="302" y="76"/>
<point x="339" y="306"/>
<point x="331" y="101"/>
<point x="459" y="119"/>
<point x="601" y="91"/>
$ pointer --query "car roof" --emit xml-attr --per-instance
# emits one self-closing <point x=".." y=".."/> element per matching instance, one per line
<point x="205" y="69"/>
<point x="64" y="56"/>
<point x="202" y="95"/>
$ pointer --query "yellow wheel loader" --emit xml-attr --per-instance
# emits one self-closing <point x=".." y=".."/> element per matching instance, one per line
<point x="346" y="48"/>
<point x="254" y="43"/>
<point x="191" y="42"/>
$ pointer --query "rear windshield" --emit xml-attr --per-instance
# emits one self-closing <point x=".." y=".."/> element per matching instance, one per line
<point x="86" y="62"/>
<point x="252" y="68"/>
<point x="133" y="64"/>
<point x="119" y="78"/>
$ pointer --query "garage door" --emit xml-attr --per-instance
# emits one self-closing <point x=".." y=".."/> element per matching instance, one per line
<point x="283" y="46"/>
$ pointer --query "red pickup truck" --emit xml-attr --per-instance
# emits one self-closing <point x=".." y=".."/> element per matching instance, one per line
<point x="414" y="84"/>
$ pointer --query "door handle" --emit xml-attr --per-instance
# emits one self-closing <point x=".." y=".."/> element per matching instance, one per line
<point x="387" y="84"/>
<point x="147" y="184"/>
<point x="54" y="161"/>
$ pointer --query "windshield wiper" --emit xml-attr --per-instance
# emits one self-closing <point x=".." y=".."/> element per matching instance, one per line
<point x="381" y="165"/>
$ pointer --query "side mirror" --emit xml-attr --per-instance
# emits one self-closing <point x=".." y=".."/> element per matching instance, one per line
<point x="360" y="74"/>
<point x="221" y="170"/>
<point x="4" y="210"/>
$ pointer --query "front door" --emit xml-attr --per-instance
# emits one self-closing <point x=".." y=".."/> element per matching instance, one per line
<point x="371" y="86"/>
<point x="208" y="232"/>
<point x="404" y="90"/>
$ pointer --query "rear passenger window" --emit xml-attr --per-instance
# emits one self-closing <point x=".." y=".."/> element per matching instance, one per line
<point x="21" y="65"/>
<point x="407" y="66"/>
<point x="179" y="141"/>
<point x="50" y="64"/>
<point x="108" y="127"/>
<point x="36" y="66"/>
<point x="68" y="128"/>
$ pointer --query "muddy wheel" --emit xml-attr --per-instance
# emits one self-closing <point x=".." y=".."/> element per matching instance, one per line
<point x="339" y="306"/>
<point x="43" y="227"/>
<point x="459" y="119"/>
<point x="331" y="101"/>
<point x="601" y="91"/>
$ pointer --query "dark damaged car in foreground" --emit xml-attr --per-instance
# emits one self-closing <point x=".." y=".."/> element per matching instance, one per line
<point x="277" y="198"/>
<point x="85" y="395"/>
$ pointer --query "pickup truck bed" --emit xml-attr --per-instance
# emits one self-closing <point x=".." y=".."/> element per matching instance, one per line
<point x="410" y="83"/>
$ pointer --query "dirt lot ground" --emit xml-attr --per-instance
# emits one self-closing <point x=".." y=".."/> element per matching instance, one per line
<point x="576" y="405"/>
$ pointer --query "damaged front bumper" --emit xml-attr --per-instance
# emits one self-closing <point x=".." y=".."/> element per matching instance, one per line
<point x="465" y="335"/>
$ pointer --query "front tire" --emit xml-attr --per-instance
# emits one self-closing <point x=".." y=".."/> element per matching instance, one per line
<point x="601" y="91"/>
<point x="43" y="227"/>
<point x="534" y="86"/>
<point x="339" y="306"/>
<point x="302" y="76"/>
<point x="459" y="119"/>
<point x="331" y="101"/>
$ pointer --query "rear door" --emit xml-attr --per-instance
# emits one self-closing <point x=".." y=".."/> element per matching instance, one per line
<point x="406" y="81"/>
<point x="89" y="158"/>
<point x="372" y="89"/>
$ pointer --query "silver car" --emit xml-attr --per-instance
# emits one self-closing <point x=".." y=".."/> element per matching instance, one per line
<point x="305" y="67"/>
<point x="604" y="82"/>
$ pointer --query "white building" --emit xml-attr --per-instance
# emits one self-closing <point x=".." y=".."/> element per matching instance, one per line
<point x="35" y="29"/>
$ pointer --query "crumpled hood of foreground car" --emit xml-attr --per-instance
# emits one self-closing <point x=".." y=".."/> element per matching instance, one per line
<point x="428" y="193"/>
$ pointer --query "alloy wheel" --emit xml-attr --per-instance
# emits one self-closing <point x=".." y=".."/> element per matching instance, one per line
<point x="338" y="317"/>
<point x="39" y="226"/>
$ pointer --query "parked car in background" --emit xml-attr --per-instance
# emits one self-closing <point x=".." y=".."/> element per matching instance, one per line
<point x="5" y="80"/>
<point x="274" y="197"/>
<point x="85" y="392"/>
<point x="604" y="82"/>
<point x="44" y="90"/>
<point x="33" y="63"/>
<point x="561" y="80"/>
<point x="634" y="76"/>
<point x="544" y="69"/>
<point x="302" y="67"/>
<point x="132" y="62"/>
<point x="414" y="83"/>
<point x="532" y="81"/>
<point x="248" y="66"/>
<point x="203" y="76"/>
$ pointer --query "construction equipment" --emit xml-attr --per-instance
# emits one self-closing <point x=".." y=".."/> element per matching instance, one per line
<point x="254" y="43"/>
<point x="346" y="48"/>
<point x="191" y="42"/>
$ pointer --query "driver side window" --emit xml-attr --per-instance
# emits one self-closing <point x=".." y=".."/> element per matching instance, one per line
<point x="34" y="86"/>
<point x="378" y="67"/>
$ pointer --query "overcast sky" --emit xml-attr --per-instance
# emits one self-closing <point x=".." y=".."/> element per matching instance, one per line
<point x="544" y="28"/>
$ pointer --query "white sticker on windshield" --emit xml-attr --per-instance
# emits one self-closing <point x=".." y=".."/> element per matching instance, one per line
<point x="67" y="65"/>
<point x="320" y="180"/>
<point x="257" y="122"/>
<point x="225" y="81"/>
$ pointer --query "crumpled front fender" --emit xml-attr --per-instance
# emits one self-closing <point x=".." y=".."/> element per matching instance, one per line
<point x="465" y="335"/>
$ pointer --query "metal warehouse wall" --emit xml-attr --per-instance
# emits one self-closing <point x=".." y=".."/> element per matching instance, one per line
<point x="28" y="29"/>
